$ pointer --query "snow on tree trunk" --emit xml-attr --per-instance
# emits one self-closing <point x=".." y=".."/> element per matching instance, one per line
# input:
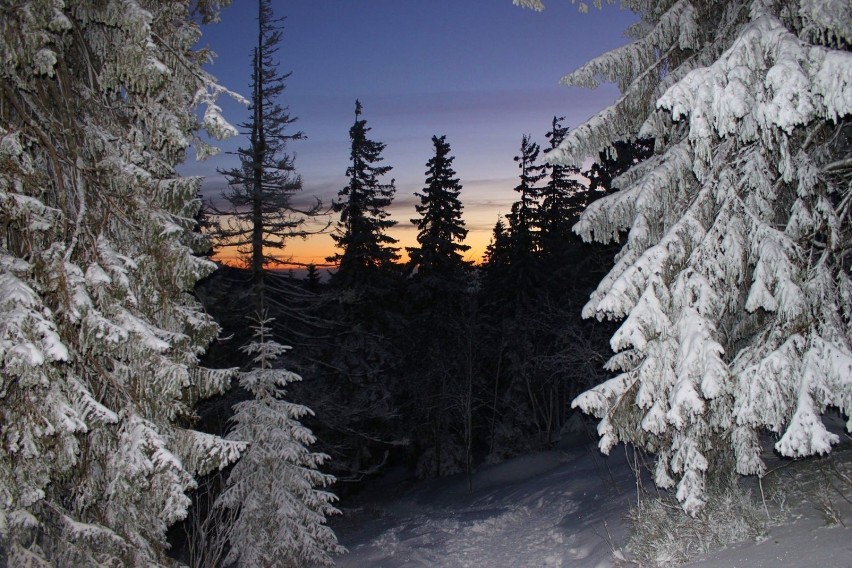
<point x="99" y="336"/>
<point x="734" y="281"/>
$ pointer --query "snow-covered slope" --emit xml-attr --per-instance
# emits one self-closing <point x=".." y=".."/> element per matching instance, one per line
<point x="559" y="508"/>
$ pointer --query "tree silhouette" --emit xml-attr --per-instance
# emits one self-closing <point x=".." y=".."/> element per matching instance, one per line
<point x="563" y="199"/>
<point x="440" y="225"/>
<point x="362" y="204"/>
<point x="621" y="156"/>
<point x="525" y="220"/>
<point x="263" y="212"/>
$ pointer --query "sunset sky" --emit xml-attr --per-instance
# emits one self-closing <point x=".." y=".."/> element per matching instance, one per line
<point x="481" y="72"/>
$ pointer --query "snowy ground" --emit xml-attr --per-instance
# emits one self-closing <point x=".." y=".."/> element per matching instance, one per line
<point x="552" y="509"/>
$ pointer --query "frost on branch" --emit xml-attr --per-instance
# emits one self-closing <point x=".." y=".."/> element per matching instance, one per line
<point x="536" y="5"/>
<point x="275" y="488"/>
<point x="734" y="278"/>
<point x="99" y="336"/>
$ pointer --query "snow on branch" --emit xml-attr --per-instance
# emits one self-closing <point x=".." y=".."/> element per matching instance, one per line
<point x="733" y="280"/>
<point x="678" y="26"/>
<point x="801" y="82"/>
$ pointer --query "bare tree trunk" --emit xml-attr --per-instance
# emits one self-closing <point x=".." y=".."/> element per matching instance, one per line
<point x="208" y="527"/>
<point x="468" y="426"/>
<point x="494" y="402"/>
<point x="258" y="150"/>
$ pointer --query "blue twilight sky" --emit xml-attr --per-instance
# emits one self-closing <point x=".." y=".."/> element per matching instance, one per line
<point x="481" y="72"/>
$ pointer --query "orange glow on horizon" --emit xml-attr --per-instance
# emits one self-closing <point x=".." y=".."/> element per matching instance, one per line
<point x="298" y="253"/>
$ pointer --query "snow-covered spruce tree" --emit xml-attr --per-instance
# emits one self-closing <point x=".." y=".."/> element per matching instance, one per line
<point x="735" y="276"/>
<point x="99" y="335"/>
<point x="280" y="515"/>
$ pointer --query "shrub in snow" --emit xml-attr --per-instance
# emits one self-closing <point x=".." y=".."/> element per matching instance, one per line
<point x="663" y="536"/>
<point x="99" y="334"/>
<point x="280" y="515"/>
<point x="734" y="279"/>
<point x="823" y="484"/>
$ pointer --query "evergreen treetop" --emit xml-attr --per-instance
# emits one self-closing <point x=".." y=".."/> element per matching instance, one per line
<point x="262" y="213"/>
<point x="524" y="230"/>
<point x="361" y="231"/>
<point x="563" y="197"/>
<point x="524" y="219"/>
<point x="441" y="227"/>
<point x="497" y="250"/>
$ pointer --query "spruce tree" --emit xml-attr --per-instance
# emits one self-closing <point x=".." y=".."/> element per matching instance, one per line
<point x="361" y="233"/>
<point x="313" y="280"/>
<point x="615" y="160"/>
<point x="498" y="248"/>
<point x="563" y="198"/>
<point x="99" y="333"/>
<point x="496" y="292"/>
<point x="495" y="264"/>
<point x="360" y="358"/>
<point x="525" y="221"/>
<point x="734" y="280"/>
<point x="263" y="214"/>
<point x="436" y="308"/>
<point x="525" y="218"/>
<point x="440" y="227"/>
<point x="280" y="510"/>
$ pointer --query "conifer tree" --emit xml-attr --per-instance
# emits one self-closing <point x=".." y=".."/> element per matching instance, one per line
<point x="263" y="214"/>
<point x="364" y="220"/>
<point x="441" y="227"/>
<point x="525" y="220"/>
<point x="436" y="311"/>
<point x="615" y="160"/>
<point x="734" y="282"/>
<point x="280" y="514"/>
<point x="495" y="260"/>
<point x="313" y="281"/>
<point x="498" y="246"/>
<point x="99" y="333"/>
<point x="360" y="358"/>
<point x="562" y="199"/>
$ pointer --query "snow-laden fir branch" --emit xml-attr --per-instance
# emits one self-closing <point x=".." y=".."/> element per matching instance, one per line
<point x="734" y="278"/>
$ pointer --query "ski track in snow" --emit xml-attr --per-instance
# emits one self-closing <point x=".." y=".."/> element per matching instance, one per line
<point x="549" y="510"/>
<point x="543" y="510"/>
